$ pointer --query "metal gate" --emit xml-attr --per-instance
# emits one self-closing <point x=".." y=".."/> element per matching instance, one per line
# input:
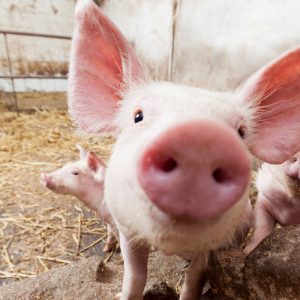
<point x="13" y="76"/>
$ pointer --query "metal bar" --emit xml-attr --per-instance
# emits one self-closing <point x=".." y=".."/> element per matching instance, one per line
<point x="175" y="13"/>
<point x="32" y="77"/>
<point x="46" y="35"/>
<point x="11" y="72"/>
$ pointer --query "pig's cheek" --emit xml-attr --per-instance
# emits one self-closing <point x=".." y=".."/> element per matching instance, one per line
<point x="120" y="191"/>
<point x="66" y="185"/>
<point x="123" y="196"/>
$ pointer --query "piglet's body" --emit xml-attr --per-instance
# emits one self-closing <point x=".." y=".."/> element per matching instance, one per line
<point x="278" y="198"/>
<point x="84" y="179"/>
<point x="179" y="174"/>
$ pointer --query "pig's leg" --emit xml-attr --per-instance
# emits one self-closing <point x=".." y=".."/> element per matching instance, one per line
<point x="264" y="225"/>
<point x="194" y="279"/>
<point x="111" y="241"/>
<point x="104" y="213"/>
<point x="112" y="232"/>
<point x="135" y="269"/>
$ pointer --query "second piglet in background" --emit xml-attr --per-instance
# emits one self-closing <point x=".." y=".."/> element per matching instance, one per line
<point x="278" y="198"/>
<point x="84" y="179"/>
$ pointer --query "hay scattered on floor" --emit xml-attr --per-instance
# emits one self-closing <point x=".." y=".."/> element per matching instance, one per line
<point x="39" y="229"/>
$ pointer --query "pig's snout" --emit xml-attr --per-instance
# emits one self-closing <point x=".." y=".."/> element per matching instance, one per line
<point x="195" y="171"/>
<point x="46" y="181"/>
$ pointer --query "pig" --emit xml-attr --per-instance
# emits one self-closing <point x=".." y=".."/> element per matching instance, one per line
<point x="179" y="174"/>
<point x="84" y="179"/>
<point x="278" y="198"/>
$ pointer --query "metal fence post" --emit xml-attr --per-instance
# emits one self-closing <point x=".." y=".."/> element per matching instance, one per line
<point x="11" y="71"/>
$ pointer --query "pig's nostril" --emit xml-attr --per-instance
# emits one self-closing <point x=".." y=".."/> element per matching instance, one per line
<point x="165" y="163"/>
<point x="219" y="175"/>
<point x="168" y="165"/>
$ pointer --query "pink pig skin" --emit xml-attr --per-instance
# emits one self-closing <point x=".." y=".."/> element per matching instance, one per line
<point x="278" y="198"/>
<point x="84" y="179"/>
<point x="179" y="174"/>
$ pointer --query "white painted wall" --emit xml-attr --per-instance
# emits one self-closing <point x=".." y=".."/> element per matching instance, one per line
<point x="217" y="44"/>
<point x="147" y="24"/>
<point x="32" y="55"/>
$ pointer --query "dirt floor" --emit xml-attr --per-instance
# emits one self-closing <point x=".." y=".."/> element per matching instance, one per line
<point x="40" y="230"/>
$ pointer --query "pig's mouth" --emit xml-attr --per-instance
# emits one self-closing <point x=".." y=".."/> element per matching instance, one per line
<point x="56" y="188"/>
<point x="182" y="219"/>
<point x="180" y="235"/>
<point x="59" y="190"/>
<point x="176" y="221"/>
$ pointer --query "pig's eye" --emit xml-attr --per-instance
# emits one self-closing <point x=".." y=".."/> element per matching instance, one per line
<point x="294" y="159"/>
<point x="75" y="173"/>
<point x="138" y="116"/>
<point x="242" y="131"/>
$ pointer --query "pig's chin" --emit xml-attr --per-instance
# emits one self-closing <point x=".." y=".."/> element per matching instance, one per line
<point x="182" y="236"/>
<point x="58" y="189"/>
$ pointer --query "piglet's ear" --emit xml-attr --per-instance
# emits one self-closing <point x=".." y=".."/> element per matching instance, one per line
<point x="82" y="151"/>
<point x="102" y="66"/>
<point x="94" y="162"/>
<point x="273" y="93"/>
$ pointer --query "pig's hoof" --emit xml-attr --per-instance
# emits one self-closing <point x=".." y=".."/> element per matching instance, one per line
<point x="110" y="246"/>
<point x="107" y="248"/>
<point x="247" y="249"/>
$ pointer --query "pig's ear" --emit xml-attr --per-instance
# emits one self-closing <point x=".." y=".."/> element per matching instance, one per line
<point x="273" y="94"/>
<point x="82" y="151"/>
<point x="102" y="67"/>
<point x="94" y="162"/>
<point x="96" y="165"/>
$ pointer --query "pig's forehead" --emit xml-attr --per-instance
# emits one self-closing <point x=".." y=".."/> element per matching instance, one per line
<point x="167" y="97"/>
<point x="79" y="164"/>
